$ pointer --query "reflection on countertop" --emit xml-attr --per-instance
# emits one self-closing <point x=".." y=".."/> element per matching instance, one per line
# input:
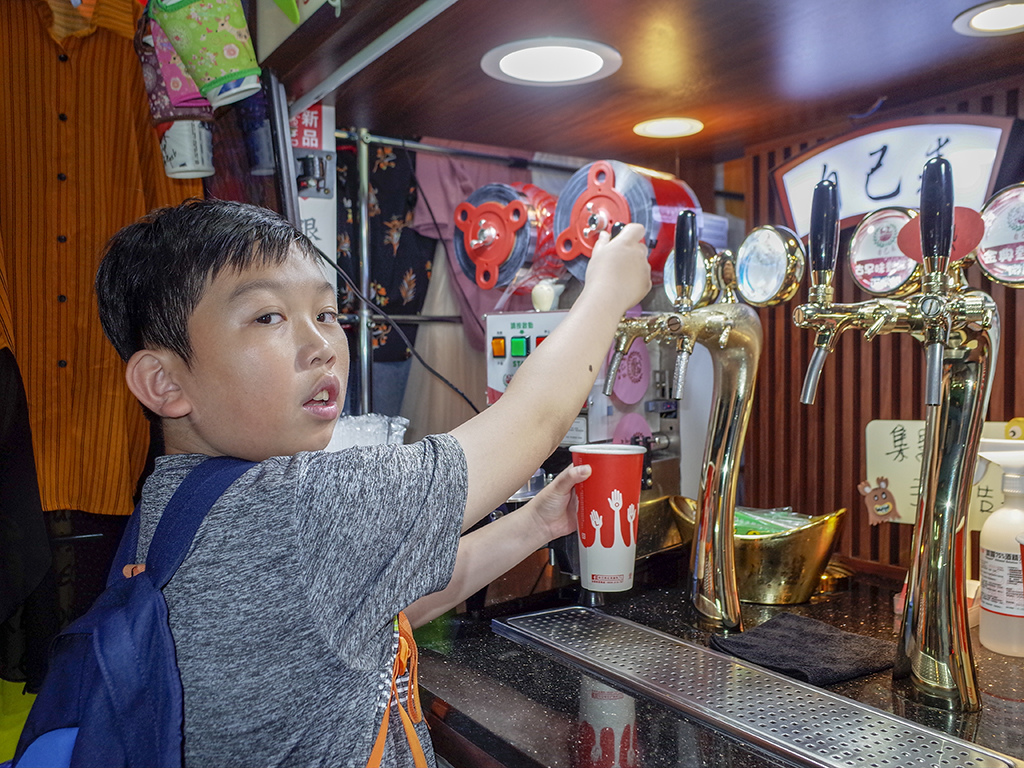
<point x="492" y="701"/>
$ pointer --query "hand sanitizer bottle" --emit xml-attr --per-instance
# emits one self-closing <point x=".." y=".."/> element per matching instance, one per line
<point x="1001" y="624"/>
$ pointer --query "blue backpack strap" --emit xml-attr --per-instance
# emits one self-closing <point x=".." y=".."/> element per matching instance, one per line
<point x="180" y="520"/>
<point x="185" y="512"/>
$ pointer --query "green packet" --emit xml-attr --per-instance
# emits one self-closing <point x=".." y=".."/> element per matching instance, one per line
<point x="759" y="522"/>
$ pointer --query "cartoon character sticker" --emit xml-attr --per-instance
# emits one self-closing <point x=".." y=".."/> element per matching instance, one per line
<point x="880" y="503"/>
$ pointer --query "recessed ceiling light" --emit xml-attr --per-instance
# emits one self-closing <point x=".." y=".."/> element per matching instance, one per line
<point x="550" y="61"/>
<point x="993" y="18"/>
<point x="668" y="127"/>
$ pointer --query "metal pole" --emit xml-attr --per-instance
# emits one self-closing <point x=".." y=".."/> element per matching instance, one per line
<point x="287" y="189"/>
<point x="418" y="146"/>
<point x="365" y="311"/>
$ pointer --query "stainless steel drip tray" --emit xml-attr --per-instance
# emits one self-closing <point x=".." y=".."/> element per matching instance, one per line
<point x="799" y="722"/>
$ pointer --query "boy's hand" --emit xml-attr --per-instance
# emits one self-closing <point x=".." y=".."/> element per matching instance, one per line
<point x="554" y="507"/>
<point x="618" y="267"/>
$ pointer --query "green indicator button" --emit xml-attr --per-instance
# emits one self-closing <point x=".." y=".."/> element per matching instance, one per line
<point x="519" y="346"/>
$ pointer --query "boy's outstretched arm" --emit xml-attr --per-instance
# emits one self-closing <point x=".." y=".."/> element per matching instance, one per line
<point x="506" y="443"/>
<point x="487" y="553"/>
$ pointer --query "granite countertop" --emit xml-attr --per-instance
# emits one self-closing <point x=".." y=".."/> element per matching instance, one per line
<point x="510" y="705"/>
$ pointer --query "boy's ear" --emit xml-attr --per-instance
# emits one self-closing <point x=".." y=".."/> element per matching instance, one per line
<point x="152" y="378"/>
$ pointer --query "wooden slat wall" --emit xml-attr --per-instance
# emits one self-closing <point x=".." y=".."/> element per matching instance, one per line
<point x="812" y="457"/>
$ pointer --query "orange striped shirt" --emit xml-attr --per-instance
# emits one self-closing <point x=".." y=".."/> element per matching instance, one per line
<point x="79" y="159"/>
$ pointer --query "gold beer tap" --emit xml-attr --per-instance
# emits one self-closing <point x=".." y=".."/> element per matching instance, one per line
<point x="652" y="327"/>
<point x="959" y="328"/>
<point x="731" y="332"/>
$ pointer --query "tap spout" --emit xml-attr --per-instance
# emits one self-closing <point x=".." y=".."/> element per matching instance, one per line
<point x="813" y="374"/>
<point x="630" y="329"/>
<point x="934" y="355"/>
<point x="684" y="348"/>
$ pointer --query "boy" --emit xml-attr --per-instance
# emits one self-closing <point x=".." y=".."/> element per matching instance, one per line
<point x="283" y="611"/>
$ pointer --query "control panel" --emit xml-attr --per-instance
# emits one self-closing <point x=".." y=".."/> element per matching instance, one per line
<point x="635" y="407"/>
<point x="511" y="337"/>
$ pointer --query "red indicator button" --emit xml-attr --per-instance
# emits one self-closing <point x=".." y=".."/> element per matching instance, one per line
<point x="539" y="340"/>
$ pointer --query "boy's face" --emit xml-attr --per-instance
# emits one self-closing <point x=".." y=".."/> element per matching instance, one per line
<point x="269" y="364"/>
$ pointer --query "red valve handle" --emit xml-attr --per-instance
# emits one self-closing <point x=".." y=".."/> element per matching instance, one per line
<point x="606" y="205"/>
<point x="498" y="222"/>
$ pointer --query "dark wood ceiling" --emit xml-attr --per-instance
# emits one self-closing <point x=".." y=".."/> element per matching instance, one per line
<point x="751" y="70"/>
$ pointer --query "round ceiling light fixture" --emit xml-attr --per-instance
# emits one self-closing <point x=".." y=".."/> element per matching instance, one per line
<point x="548" y="61"/>
<point x="668" y="127"/>
<point x="997" y="17"/>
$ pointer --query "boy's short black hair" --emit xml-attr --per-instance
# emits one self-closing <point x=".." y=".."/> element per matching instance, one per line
<point x="154" y="272"/>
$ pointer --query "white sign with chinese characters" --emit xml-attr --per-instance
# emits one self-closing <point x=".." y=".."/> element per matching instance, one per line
<point x="313" y="128"/>
<point x="882" y="168"/>
<point x="894" y="451"/>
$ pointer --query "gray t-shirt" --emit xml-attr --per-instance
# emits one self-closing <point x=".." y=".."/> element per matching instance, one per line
<point x="282" y="613"/>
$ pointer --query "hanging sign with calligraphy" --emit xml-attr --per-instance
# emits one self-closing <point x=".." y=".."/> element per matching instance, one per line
<point x="894" y="450"/>
<point x="880" y="166"/>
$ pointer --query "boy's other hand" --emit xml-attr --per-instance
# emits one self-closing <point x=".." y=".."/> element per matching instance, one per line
<point x="618" y="267"/>
<point x="554" y="507"/>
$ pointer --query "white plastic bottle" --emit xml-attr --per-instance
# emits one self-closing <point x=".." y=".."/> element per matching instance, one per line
<point x="1001" y="624"/>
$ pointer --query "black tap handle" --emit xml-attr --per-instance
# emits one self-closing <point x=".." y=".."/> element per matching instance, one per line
<point x="617" y="227"/>
<point x="823" y="240"/>
<point x="936" y="214"/>
<point x="686" y="251"/>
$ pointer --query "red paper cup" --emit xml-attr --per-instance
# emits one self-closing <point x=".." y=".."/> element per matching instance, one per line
<point x="607" y="727"/>
<point x="608" y="513"/>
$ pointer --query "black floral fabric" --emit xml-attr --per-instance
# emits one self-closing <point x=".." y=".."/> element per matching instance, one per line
<point x="400" y="258"/>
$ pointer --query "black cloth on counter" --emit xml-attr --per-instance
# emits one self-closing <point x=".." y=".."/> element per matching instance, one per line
<point x="809" y="650"/>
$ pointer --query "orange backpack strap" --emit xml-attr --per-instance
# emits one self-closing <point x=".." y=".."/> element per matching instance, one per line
<point x="412" y="664"/>
<point x="405" y="659"/>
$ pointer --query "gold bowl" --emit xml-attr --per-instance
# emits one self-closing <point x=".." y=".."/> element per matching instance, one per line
<point x="774" y="568"/>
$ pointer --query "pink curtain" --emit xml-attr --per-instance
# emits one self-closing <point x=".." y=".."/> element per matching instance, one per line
<point x="444" y="182"/>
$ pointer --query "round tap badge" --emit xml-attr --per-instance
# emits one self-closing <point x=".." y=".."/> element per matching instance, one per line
<point x="877" y="264"/>
<point x="1001" y="251"/>
<point x="769" y="265"/>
